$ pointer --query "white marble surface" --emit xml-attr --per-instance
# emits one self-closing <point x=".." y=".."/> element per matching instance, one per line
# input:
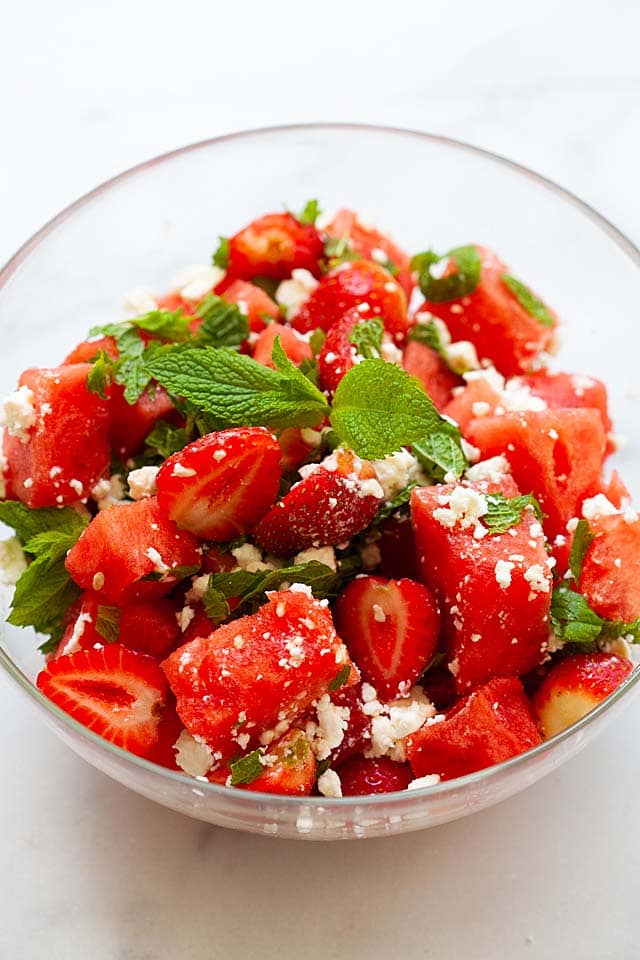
<point x="88" y="869"/>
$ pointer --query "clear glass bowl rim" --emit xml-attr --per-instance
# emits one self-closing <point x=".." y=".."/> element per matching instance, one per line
<point x="255" y="798"/>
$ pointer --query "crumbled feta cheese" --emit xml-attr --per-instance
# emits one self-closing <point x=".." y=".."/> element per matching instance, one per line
<point x="480" y="408"/>
<point x="219" y="455"/>
<point x="329" y="784"/>
<point x="462" y="356"/>
<point x="514" y="394"/>
<point x="249" y="558"/>
<point x="140" y="301"/>
<point x="109" y="492"/>
<point x="430" y="780"/>
<point x="195" y="282"/>
<point x="142" y="482"/>
<point x="179" y="470"/>
<point x="463" y="506"/>
<point x="326" y="555"/>
<point x="502" y="572"/>
<point x="198" y="588"/>
<point x="471" y="453"/>
<point x="184" y="617"/>
<point x="396" y="471"/>
<point x="159" y="566"/>
<point x="12" y="561"/>
<point x="538" y="579"/>
<point x="292" y="293"/>
<point x="194" y="757"/>
<point x="492" y="469"/>
<point x="390" y="352"/>
<point x="328" y="732"/>
<point x="73" y="643"/>
<point x="398" y="720"/>
<point x="598" y="506"/>
<point x="302" y="588"/>
<point x="18" y="413"/>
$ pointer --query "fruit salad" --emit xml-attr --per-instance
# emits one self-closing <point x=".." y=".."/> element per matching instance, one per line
<point x="322" y="519"/>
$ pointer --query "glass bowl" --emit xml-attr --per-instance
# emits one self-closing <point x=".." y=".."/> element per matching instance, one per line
<point x="143" y="226"/>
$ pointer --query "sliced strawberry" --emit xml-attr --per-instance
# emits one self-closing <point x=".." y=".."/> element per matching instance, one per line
<point x="423" y="363"/>
<point x="254" y="302"/>
<point x="349" y="285"/>
<point x="339" y="354"/>
<point x="130" y="551"/>
<point x="391" y="630"/>
<point x="295" y="347"/>
<point x="360" y="777"/>
<point x="80" y="631"/>
<point x="256" y="672"/>
<point x="113" y="691"/>
<point x="217" y="560"/>
<point x="219" y="486"/>
<point x="290" y="769"/>
<point x="371" y="244"/>
<point x="273" y="246"/>
<point x="336" y="499"/>
<point x="575" y="686"/>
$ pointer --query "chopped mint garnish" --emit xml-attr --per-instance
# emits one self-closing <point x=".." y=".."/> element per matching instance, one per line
<point x="506" y="512"/>
<point x="220" y="257"/>
<point x="582" y="540"/>
<point x="246" y="769"/>
<point x="310" y="213"/>
<point x="449" y="286"/>
<point x="366" y="336"/>
<point x="527" y="299"/>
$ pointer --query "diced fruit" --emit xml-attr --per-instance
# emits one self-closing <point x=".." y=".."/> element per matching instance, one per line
<point x="610" y="578"/>
<point x="493" y="319"/>
<point x="349" y="285"/>
<point x="290" y="769"/>
<point x="149" y="626"/>
<point x="174" y="302"/>
<point x="256" y="672"/>
<point x="273" y="246"/>
<point x="252" y="301"/>
<point x="132" y="551"/>
<point x="476" y="399"/>
<point x="66" y="450"/>
<point x="397" y="547"/>
<point x="494" y="590"/>
<point x="217" y="560"/>
<point x="423" y="363"/>
<point x="80" y="631"/>
<point x="113" y="691"/>
<point x="296" y="449"/>
<point x="555" y="454"/>
<point x="131" y="424"/>
<point x="360" y="776"/>
<point x="489" y="726"/>
<point x="88" y="350"/>
<point x="338" y="354"/>
<point x="336" y="499"/>
<point x="357" y="736"/>
<point x="570" y="390"/>
<point x="219" y="486"/>
<point x="169" y="730"/>
<point x="372" y="245"/>
<point x="615" y="490"/>
<point x="296" y="348"/>
<point x="575" y="686"/>
<point x="391" y="630"/>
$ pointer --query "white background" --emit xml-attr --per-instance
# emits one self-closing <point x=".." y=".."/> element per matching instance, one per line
<point x="90" y="870"/>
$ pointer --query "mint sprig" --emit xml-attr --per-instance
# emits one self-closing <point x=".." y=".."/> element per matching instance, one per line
<point x="220" y="256"/>
<point x="527" y="299"/>
<point x="574" y="621"/>
<point x="309" y="214"/>
<point x="441" y="454"/>
<point x="108" y="623"/>
<point x="450" y="286"/>
<point x="247" y="768"/>
<point x="223" y="324"/>
<point x="506" y="512"/>
<point x="582" y="540"/>
<point x="366" y="337"/>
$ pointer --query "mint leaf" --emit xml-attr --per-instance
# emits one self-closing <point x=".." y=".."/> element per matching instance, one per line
<point x="428" y="334"/>
<point x="101" y="375"/>
<point x="572" y="618"/>
<point x="506" y="512"/>
<point x="316" y="340"/>
<point x="378" y="408"/>
<point x="582" y="540"/>
<point x="338" y="250"/>
<point x="309" y="214"/>
<point x="234" y="390"/>
<point x="251" y="588"/>
<point x="223" y="324"/>
<point x="441" y="453"/>
<point x="367" y="338"/>
<point x="341" y="677"/>
<point x="246" y="769"/>
<point x="164" y="324"/>
<point x="450" y="286"/>
<point x="392" y="506"/>
<point x="108" y="623"/>
<point x="166" y="439"/>
<point x="527" y="299"/>
<point x="220" y="257"/>
<point x="28" y="522"/>
<point x="216" y="606"/>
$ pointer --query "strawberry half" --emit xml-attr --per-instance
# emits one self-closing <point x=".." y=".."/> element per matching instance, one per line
<point x="112" y="691"/>
<point x="221" y="484"/>
<point x="273" y="246"/>
<point x="336" y="499"/>
<point x="391" y="630"/>
<point x="360" y="777"/>
<point x="573" y="687"/>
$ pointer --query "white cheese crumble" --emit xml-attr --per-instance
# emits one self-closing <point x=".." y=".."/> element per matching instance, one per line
<point x="396" y="471"/>
<point x="184" y="617"/>
<point x="391" y="353"/>
<point x="326" y="555"/>
<point x="140" y="301"/>
<point x="292" y="293"/>
<point x="502" y="572"/>
<point x="249" y="558"/>
<point x="378" y="613"/>
<point x="194" y="757"/>
<point x="18" y="413"/>
<point x="462" y="506"/>
<point x="598" y="506"/>
<point x="109" y="492"/>
<point x="328" y="732"/>
<point x="514" y="393"/>
<point x="492" y="469"/>
<point x="430" y="780"/>
<point x="159" y="566"/>
<point x="73" y="643"/>
<point x="462" y="356"/>
<point x="198" y="588"/>
<point x="142" y="482"/>
<point x="329" y="784"/>
<point x="394" y="721"/>
<point x="12" y="561"/>
<point x="193" y="283"/>
<point x="538" y="579"/>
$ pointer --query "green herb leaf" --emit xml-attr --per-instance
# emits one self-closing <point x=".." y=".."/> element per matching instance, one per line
<point x="251" y="588"/>
<point x="166" y="439"/>
<point x="164" y="324"/>
<point x="234" y="390"/>
<point x="572" y="618"/>
<point x="309" y="368"/>
<point x="247" y="769"/>
<point x="108" y="623"/>
<point x="401" y="500"/>
<point x="451" y="286"/>
<point x="316" y="340"/>
<point x="441" y="453"/>
<point x="506" y="512"/>
<point x="582" y="540"/>
<point x="223" y="324"/>
<point x="367" y="338"/>
<point x="215" y="606"/>
<point x="310" y="213"/>
<point x="322" y="766"/>
<point x="378" y="408"/>
<point x="101" y="375"/>
<point x="527" y="299"/>
<point x="221" y="256"/>
<point x="341" y="677"/>
<point x="28" y="522"/>
<point x="338" y="250"/>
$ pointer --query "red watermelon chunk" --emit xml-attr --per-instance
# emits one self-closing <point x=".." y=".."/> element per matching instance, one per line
<point x="494" y="592"/>
<point x="570" y="390"/>
<point x="489" y="726"/>
<point x="424" y="363"/>
<point x="610" y="578"/>
<point x="555" y="454"/>
<point x="252" y="674"/>
<point x="66" y="450"/>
